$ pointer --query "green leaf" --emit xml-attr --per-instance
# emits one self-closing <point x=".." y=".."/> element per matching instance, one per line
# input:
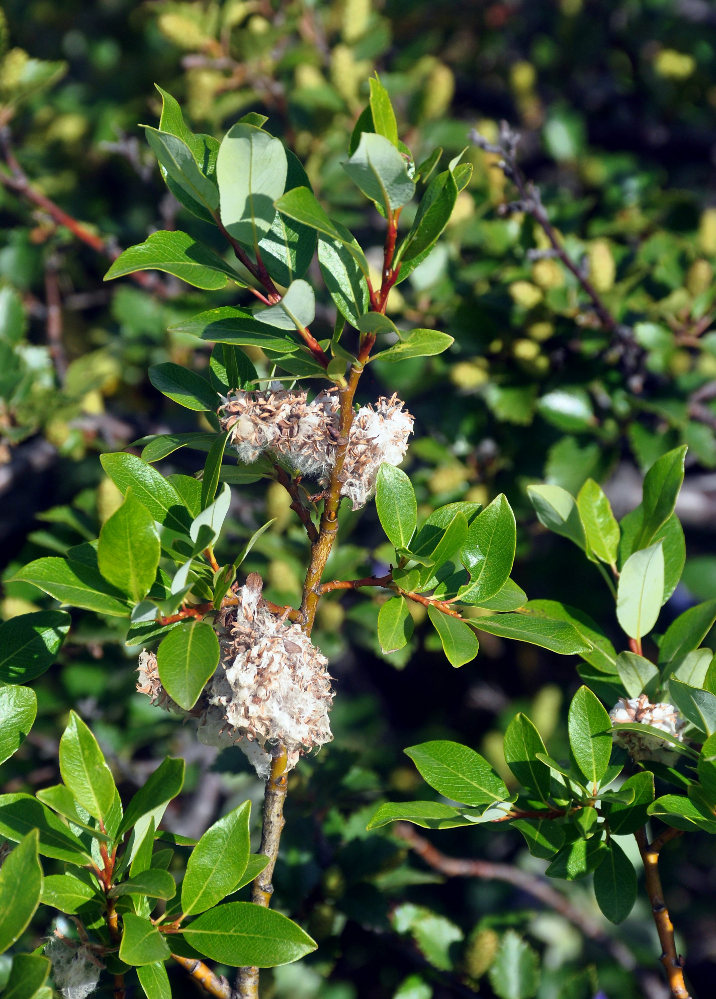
<point x="75" y="583"/>
<point x="241" y="934"/>
<point x="128" y="549"/>
<point x="150" y="487"/>
<point x="681" y="813"/>
<point x="27" y="976"/>
<point x="625" y="818"/>
<point x="458" y="640"/>
<point x="489" y="551"/>
<point x="694" y="668"/>
<point x="179" y="166"/>
<point x="558" y="511"/>
<point x="154" y="980"/>
<point x="434" y="211"/>
<point x="184" y="387"/>
<point x="641" y="590"/>
<point x="142" y="943"/>
<point x="590" y="734"/>
<point x="635" y="672"/>
<point x="382" y="112"/>
<point x="671" y="536"/>
<point x="522" y="742"/>
<point x="158" y="446"/>
<point x="569" y="408"/>
<point x="684" y="634"/>
<point x="69" y="893"/>
<point x="661" y="488"/>
<point x="217" y="862"/>
<point x="707" y="769"/>
<point x="602" y="654"/>
<point x="152" y="883"/>
<point x="186" y="658"/>
<point x="509" y="597"/>
<point x="20" y="889"/>
<point x="416" y="343"/>
<point x="296" y="310"/>
<point x="344" y="279"/>
<point x="435" y="935"/>
<point x="396" y="505"/>
<point x="514" y="973"/>
<point x="600" y="525"/>
<point x="29" y="644"/>
<point x="61" y="800"/>
<point x="302" y="205"/>
<point x="577" y="859"/>
<point x="18" y="707"/>
<point x="697" y="706"/>
<point x="212" y="471"/>
<point x="19" y="813"/>
<point x="615" y="884"/>
<point x="251" y="171"/>
<point x="235" y="326"/>
<point x="458" y="772"/>
<point x="176" y="253"/>
<point x="436" y="543"/>
<point x="395" y="625"/>
<point x="526" y="626"/>
<point x="287" y="248"/>
<point x="230" y="368"/>
<point x="84" y="770"/>
<point x="164" y="784"/>
<point x="380" y="172"/>
<point x="544" y="837"/>
<point x="426" y="814"/>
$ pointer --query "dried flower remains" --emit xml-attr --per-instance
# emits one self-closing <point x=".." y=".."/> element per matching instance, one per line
<point x="643" y="745"/>
<point x="306" y="437"/>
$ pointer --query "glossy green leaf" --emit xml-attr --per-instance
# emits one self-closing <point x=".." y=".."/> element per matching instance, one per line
<point x="251" y="171"/>
<point x="185" y="387"/>
<point x="599" y="523"/>
<point x="203" y="147"/>
<point x="489" y="551"/>
<point x="186" y="658"/>
<point x="707" y="769"/>
<point x="70" y="893"/>
<point x="426" y="814"/>
<point x="230" y="368"/>
<point x="152" y="883"/>
<point x="382" y="112"/>
<point x="434" y="935"/>
<point x="615" y="884"/>
<point x="557" y="510"/>
<point x="509" y="597"/>
<point x="686" y="633"/>
<point x="163" y="784"/>
<point x="671" y="536"/>
<point x="640" y="591"/>
<point x="20" y="889"/>
<point x="577" y="859"/>
<point x="179" y="254"/>
<point x="142" y="943"/>
<point x="697" y="706"/>
<point x="436" y="543"/>
<point x="77" y="584"/>
<point x="217" y="862"/>
<point x="235" y="326"/>
<point x="590" y="734"/>
<point x="288" y="247"/>
<point x="694" y="668"/>
<point x="681" y="813"/>
<point x="602" y="654"/>
<point x="521" y="744"/>
<point x="29" y="644"/>
<point x="210" y="478"/>
<point x="128" y="549"/>
<point x="344" y="279"/>
<point x="302" y="205"/>
<point x="150" y="487"/>
<point x="544" y="837"/>
<point x="19" y="813"/>
<point x="416" y="343"/>
<point x="558" y="636"/>
<point x="568" y="408"/>
<point x="396" y="505"/>
<point x="241" y="934"/>
<point x="381" y="173"/>
<point x="635" y="672"/>
<point x="28" y="975"/>
<point x="514" y="973"/>
<point x="154" y="980"/>
<point x="206" y="526"/>
<point x="255" y="864"/>
<point x="434" y="211"/>
<point x="179" y="166"/>
<point x="458" y="772"/>
<point x="661" y="488"/>
<point x="84" y="770"/>
<point x="61" y="800"/>
<point x="395" y="625"/>
<point x="296" y="310"/>
<point x="458" y="639"/>
<point x="158" y="446"/>
<point x="18" y="707"/>
<point x="627" y="818"/>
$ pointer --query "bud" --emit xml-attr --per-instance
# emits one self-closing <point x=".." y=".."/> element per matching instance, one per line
<point x="602" y="269"/>
<point x="480" y="952"/>
<point x="642" y="745"/>
<point x="75" y="970"/>
<point x="525" y="294"/>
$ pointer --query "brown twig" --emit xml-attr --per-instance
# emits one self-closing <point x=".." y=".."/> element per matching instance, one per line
<point x="53" y="318"/>
<point x="297" y="505"/>
<point x="672" y="961"/>
<point x="533" y="885"/>
<point x="210" y="982"/>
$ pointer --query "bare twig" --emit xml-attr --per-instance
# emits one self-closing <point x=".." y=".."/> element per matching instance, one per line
<point x="672" y="961"/>
<point x="53" y="318"/>
<point x="211" y="983"/>
<point x="292" y="488"/>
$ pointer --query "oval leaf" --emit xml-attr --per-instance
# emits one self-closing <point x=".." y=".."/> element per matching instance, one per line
<point x="18" y="707"/>
<point x="590" y="734"/>
<point x="186" y="658"/>
<point x="128" y="549"/>
<point x="396" y="504"/>
<point x="641" y="590"/>
<point x="29" y="644"/>
<point x="20" y="889"/>
<point x="241" y="934"/>
<point x="458" y="640"/>
<point x="217" y="862"/>
<point x="458" y="772"/>
<point x="84" y="770"/>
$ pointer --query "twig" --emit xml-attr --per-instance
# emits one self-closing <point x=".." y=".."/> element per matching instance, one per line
<point x="53" y="318"/>
<point x="210" y="982"/>
<point x="529" y="883"/>
<point x="291" y="486"/>
<point x="672" y="961"/>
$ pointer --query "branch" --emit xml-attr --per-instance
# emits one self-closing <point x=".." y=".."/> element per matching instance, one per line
<point x="210" y="982"/>
<point x="291" y="486"/>
<point x="533" y="885"/>
<point x="53" y="318"/>
<point x="673" y="963"/>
